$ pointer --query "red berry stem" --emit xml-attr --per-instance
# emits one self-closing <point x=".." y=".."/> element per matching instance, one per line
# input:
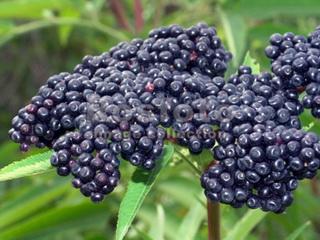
<point x="119" y="12"/>
<point x="138" y="12"/>
<point x="171" y="139"/>
<point x="213" y="216"/>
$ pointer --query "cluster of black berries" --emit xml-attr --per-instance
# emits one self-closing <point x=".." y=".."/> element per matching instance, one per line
<point x="295" y="63"/>
<point x="256" y="121"/>
<point x="118" y="104"/>
<point x="96" y="170"/>
<point x="262" y="169"/>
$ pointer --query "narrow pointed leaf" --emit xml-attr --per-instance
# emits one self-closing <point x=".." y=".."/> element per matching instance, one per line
<point x="60" y="219"/>
<point x="191" y="222"/>
<point x="236" y="32"/>
<point x="177" y="187"/>
<point x="172" y="221"/>
<point x="40" y="24"/>
<point x="157" y="230"/>
<point x="138" y="189"/>
<point x="30" y="201"/>
<point x="241" y="230"/>
<point x="35" y="164"/>
<point x="143" y="235"/>
<point x="65" y="30"/>
<point x="298" y="231"/>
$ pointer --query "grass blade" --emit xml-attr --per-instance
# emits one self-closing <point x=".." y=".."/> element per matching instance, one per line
<point x="191" y="222"/>
<point x="245" y="225"/>
<point x="36" y="25"/>
<point x="298" y="231"/>
<point x="82" y="216"/>
<point x="157" y="229"/>
<point x="236" y="32"/>
<point x="30" y="201"/>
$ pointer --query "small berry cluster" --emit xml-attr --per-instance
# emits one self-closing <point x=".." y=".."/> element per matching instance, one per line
<point x="144" y="147"/>
<point x="119" y="104"/>
<point x="256" y="123"/>
<point x="95" y="174"/>
<point x="51" y="112"/>
<point x="295" y="63"/>
<point x="261" y="169"/>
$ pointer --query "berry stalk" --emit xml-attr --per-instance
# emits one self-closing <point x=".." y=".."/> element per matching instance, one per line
<point x="213" y="214"/>
<point x="315" y="187"/>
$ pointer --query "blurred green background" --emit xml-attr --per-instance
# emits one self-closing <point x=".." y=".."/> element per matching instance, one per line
<point x="41" y="37"/>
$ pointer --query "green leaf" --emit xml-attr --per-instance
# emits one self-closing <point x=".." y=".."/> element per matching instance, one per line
<point x="35" y="164"/>
<point x="183" y="153"/>
<point x="157" y="229"/>
<point x="271" y="8"/>
<point x="10" y="151"/>
<point x="308" y="120"/>
<point x="64" y="33"/>
<point x="31" y="9"/>
<point x="148" y="211"/>
<point x="177" y="187"/>
<point x="298" y="231"/>
<point x="143" y="235"/>
<point x="37" y="9"/>
<point x="37" y="25"/>
<point x="236" y="31"/>
<point x="5" y="25"/>
<point x="83" y="216"/>
<point x="241" y="230"/>
<point x="251" y="62"/>
<point x="138" y="189"/>
<point x="29" y="201"/>
<point x="65" y="30"/>
<point x="191" y="222"/>
<point x="308" y="127"/>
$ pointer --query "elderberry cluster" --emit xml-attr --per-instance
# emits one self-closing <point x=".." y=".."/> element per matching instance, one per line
<point x="120" y="104"/>
<point x="251" y="153"/>
<point x="295" y="63"/>
<point x="262" y="169"/>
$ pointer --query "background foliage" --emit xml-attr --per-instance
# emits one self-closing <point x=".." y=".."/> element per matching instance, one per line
<point x="42" y="37"/>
